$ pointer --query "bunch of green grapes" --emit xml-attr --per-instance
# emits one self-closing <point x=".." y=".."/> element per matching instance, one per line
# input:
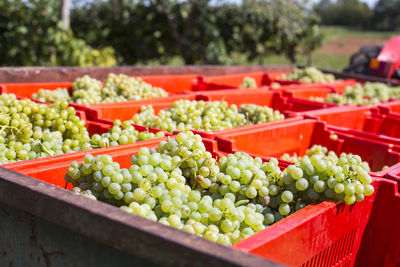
<point x="309" y="75"/>
<point x="117" y="88"/>
<point x="121" y="134"/>
<point x="86" y="90"/>
<point x="321" y="151"/>
<point x="249" y="82"/>
<point x="179" y="184"/>
<point x="368" y="93"/>
<point x="157" y="186"/>
<point x="201" y="115"/>
<point x="30" y="130"/>
<point x="345" y="100"/>
<point x="260" y="114"/>
<point x="121" y="87"/>
<point x="50" y="96"/>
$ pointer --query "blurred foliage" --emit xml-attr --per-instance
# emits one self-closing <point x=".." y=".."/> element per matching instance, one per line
<point x="354" y="13"/>
<point x="31" y="34"/>
<point x="200" y="32"/>
<point x="386" y="15"/>
<point x="344" y="12"/>
<point x="145" y="31"/>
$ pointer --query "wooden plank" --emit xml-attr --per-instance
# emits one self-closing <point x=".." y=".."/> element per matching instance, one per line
<point x="68" y="74"/>
<point x="113" y="227"/>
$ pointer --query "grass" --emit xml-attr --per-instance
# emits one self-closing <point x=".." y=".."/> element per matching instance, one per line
<point x="330" y="61"/>
<point x="334" y="32"/>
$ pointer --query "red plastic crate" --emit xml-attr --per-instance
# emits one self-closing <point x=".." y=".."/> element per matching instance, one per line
<point x="340" y="85"/>
<point x="303" y="97"/>
<point x="298" y="136"/>
<point x="260" y="96"/>
<point x="299" y="96"/>
<point x="324" y="234"/>
<point x="27" y="89"/>
<point x="329" y="234"/>
<point x="394" y="174"/>
<point x="390" y="107"/>
<point x="125" y="110"/>
<point x="384" y="128"/>
<point x="363" y="121"/>
<point x="307" y="91"/>
<point x="276" y="77"/>
<point x="175" y="84"/>
<point x="302" y="86"/>
<point x="351" y="117"/>
<point x="236" y="80"/>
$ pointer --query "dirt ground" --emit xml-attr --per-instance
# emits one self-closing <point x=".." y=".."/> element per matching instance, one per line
<point x="349" y="44"/>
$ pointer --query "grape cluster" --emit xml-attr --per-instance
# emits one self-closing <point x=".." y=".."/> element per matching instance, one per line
<point x="260" y="114"/>
<point x="86" y="90"/>
<point x="201" y="115"/>
<point x="179" y="184"/>
<point x="309" y="75"/>
<point x="117" y="88"/>
<point x="30" y="130"/>
<point x="249" y="82"/>
<point x="314" y="150"/>
<point x="50" y="96"/>
<point x="123" y="88"/>
<point x="321" y="151"/>
<point x="342" y="178"/>
<point x="121" y="134"/>
<point x="369" y="93"/>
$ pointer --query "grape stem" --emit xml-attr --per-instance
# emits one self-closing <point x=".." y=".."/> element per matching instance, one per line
<point x="241" y="202"/>
<point x="47" y="151"/>
<point x="10" y="127"/>
<point x="195" y="163"/>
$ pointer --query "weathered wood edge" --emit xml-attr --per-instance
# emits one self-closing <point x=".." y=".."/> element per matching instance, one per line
<point x="111" y="226"/>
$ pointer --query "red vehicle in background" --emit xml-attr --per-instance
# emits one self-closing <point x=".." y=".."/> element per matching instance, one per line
<point x="378" y="61"/>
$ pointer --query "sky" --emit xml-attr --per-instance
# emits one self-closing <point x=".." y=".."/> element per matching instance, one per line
<point x="370" y="3"/>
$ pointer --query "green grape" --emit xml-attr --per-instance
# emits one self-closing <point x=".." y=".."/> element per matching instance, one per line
<point x="249" y="82"/>
<point x="301" y="184"/>
<point x="284" y="209"/>
<point x="287" y="196"/>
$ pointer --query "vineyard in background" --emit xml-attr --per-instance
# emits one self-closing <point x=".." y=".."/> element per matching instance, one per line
<point x="152" y="32"/>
